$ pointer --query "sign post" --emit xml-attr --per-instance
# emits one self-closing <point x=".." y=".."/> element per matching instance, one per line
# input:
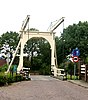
<point x="75" y="59"/>
<point x="74" y="71"/>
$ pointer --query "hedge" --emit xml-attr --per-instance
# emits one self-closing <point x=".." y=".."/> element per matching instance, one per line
<point x="4" y="80"/>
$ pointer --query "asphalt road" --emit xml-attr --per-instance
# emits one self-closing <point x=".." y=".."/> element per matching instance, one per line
<point x="43" y="88"/>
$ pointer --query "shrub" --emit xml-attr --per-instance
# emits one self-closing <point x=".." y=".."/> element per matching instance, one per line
<point x="3" y="80"/>
<point x="3" y="68"/>
<point x="45" y="70"/>
<point x="8" y="79"/>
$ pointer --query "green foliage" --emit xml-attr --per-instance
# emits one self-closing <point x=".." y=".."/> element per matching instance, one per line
<point x="33" y="29"/>
<point x="3" y="80"/>
<point x="86" y="60"/>
<point x="70" y="68"/>
<point x="73" y="36"/>
<point x="15" y="78"/>
<point x="76" y="35"/>
<point x="16" y="61"/>
<point x="10" y="38"/>
<point x="45" y="70"/>
<point x="39" y="49"/>
<point x="8" y="79"/>
<point x="3" y="68"/>
<point x="36" y="64"/>
<point x="72" y="77"/>
<point x="26" y="62"/>
<point x="60" y="50"/>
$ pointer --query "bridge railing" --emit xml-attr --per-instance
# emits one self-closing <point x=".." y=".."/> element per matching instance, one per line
<point x="60" y="73"/>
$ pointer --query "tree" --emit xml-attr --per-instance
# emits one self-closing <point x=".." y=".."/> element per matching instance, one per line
<point x="8" y="43"/>
<point x="36" y="48"/>
<point x="10" y="38"/>
<point x="59" y="48"/>
<point x="76" y="35"/>
<point x="73" y="36"/>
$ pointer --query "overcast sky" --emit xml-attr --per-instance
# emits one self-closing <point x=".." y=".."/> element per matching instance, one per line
<point x="42" y="13"/>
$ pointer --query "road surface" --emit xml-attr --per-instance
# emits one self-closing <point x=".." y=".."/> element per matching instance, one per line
<point x="43" y="88"/>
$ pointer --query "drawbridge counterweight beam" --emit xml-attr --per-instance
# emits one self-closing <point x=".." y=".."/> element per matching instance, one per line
<point x="14" y="56"/>
<point x="25" y="22"/>
<point x="57" y="23"/>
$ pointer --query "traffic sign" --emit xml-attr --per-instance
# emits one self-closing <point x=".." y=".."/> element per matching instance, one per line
<point x="75" y="52"/>
<point x="75" y="58"/>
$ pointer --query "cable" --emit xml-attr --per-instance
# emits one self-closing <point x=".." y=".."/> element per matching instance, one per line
<point x="28" y="47"/>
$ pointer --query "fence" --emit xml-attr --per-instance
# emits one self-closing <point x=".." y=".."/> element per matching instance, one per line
<point x="83" y="72"/>
<point x="61" y="74"/>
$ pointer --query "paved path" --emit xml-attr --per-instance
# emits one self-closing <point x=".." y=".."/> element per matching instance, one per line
<point x="80" y="83"/>
<point x="43" y="88"/>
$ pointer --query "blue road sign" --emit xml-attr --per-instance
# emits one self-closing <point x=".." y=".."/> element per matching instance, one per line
<point x="76" y="52"/>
